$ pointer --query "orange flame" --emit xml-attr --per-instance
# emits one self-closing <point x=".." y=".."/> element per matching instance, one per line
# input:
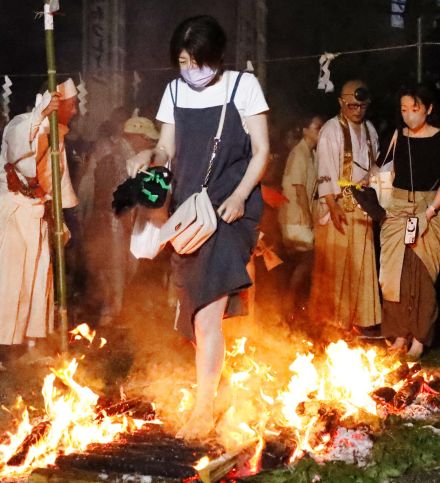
<point x="71" y="421"/>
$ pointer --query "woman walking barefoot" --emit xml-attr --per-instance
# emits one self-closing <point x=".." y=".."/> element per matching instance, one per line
<point x="209" y="279"/>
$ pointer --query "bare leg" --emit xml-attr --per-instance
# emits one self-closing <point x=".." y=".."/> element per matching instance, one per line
<point x="210" y="355"/>
<point x="250" y="267"/>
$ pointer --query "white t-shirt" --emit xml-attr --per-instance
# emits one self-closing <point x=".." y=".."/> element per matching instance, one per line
<point x="249" y="98"/>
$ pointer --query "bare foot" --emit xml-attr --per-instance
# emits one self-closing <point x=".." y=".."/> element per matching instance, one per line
<point x="399" y="345"/>
<point x="198" y="427"/>
<point x="415" y="351"/>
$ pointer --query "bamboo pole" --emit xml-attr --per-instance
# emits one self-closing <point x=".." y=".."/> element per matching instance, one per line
<point x="419" y="50"/>
<point x="60" y="268"/>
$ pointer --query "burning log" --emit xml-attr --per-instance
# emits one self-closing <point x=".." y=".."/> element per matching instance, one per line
<point x="278" y="449"/>
<point x="402" y="372"/>
<point x="127" y="463"/>
<point x="406" y="395"/>
<point x="136" y="407"/>
<point x="37" y="434"/>
<point x="221" y="466"/>
<point x="384" y="395"/>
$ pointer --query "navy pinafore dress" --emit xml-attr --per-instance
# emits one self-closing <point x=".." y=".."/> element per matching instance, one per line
<point x="218" y="268"/>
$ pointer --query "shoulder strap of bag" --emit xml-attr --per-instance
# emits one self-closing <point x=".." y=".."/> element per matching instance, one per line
<point x="392" y="146"/>
<point x="218" y="135"/>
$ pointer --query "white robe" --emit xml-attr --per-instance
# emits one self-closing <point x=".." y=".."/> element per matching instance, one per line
<point x="26" y="281"/>
<point x="345" y="290"/>
<point x="330" y="158"/>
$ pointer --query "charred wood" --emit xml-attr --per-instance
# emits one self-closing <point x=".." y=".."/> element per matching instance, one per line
<point x="136" y="407"/>
<point x="406" y="395"/>
<point x="38" y="433"/>
<point x="384" y="395"/>
<point x="126" y="464"/>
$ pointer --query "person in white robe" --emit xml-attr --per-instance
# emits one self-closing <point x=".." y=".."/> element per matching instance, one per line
<point x="26" y="280"/>
<point x="345" y="290"/>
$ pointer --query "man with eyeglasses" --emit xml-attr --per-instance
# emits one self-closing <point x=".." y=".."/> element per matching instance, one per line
<point x="345" y="290"/>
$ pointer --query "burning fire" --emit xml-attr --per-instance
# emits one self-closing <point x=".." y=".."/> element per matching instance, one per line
<point x="335" y="386"/>
<point x="306" y="405"/>
<point x="71" y="422"/>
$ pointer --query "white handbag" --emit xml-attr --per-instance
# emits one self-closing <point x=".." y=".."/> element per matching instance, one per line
<point x="195" y="220"/>
<point x="191" y="225"/>
<point x="382" y="179"/>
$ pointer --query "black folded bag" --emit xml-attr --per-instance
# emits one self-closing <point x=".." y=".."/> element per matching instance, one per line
<point x="149" y="189"/>
<point x="367" y="199"/>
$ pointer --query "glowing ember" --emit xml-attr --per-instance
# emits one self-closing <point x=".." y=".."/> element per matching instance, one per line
<point x="202" y="463"/>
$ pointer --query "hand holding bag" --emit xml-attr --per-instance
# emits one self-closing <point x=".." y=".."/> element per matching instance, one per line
<point x="195" y="220"/>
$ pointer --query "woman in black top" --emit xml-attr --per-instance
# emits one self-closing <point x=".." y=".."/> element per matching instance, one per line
<point x="409" y="267"/>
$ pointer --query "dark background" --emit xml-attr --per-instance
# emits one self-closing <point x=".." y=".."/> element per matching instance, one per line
<point x="294" y="28"/>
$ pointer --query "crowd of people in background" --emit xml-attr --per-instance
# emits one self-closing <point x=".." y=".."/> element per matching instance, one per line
<point x="314" y="220"/>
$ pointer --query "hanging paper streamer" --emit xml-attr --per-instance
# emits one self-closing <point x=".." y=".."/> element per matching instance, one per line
<point x="136" y="81"/>
<point x="82" y="96"/>
<point x="249" y="66"/>
<point x="54" y="6"/>
<point x="324" y="81"/>
<point x="6" y="94"/>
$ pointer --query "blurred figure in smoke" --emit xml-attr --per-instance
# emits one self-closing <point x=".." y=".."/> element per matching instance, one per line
<point x="190" y="111"/>
<point x="110" y="133"/>
<point x="77" y="149"/>
<point x="296" y="217"/>
<point x="26" y="285"/>
<point x="345" y="289"/>
<point x="110" y="263"/>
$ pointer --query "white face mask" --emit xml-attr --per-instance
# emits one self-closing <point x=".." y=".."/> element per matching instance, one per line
<point x="198" y="77"/>
<point x="414" y="114"/>
<point x="414" y="120"/>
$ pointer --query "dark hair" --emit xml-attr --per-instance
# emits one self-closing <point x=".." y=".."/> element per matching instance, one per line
<point x="422" y="94"/>
<point x="307" y="119"/>
<point x="303" y="121"/>
<point x="202" y="37"/>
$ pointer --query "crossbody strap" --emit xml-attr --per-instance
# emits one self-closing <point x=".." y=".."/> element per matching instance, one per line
<point x="218" y="135"/>
<point x="392" y="146"/>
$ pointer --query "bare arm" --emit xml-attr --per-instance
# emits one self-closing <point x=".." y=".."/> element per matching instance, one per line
<point x="434" y="207"/>
<point x="233" y="207"/>
<point x="163" y="152"/>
